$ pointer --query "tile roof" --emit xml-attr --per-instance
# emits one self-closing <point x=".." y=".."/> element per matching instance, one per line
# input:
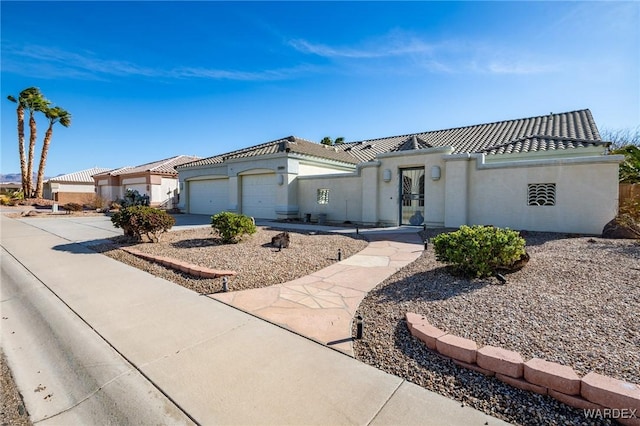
<point x="288" y="144"/>
<point x="481" y="137"/>
<point x="552" y="131"/>
<point x="83" y="176"/>
<point x="541" y="143"/>
<point x="166" y="166"/>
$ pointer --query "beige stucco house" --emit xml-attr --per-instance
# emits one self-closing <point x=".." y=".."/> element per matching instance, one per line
<point x="77" y="187"/>
<point x="546" y="173"/>
<point x="158" y="180"/>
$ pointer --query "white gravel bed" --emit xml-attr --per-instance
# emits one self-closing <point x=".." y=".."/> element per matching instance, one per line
<point x="256" y="262"/>
<point x="577" y="302"/>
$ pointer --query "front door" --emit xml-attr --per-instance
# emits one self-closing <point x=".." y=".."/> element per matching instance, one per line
<point x="412" y="196"/>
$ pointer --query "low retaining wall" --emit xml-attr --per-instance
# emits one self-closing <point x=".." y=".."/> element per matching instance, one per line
<point x="187" y="268"/>
<point x="592" y="392"/>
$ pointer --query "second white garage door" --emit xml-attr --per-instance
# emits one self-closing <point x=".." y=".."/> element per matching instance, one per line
<point x="259" y="195"/>
<point x="209" y="196"/>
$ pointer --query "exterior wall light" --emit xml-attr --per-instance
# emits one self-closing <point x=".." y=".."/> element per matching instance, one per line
<point x="435" y="173"/>
<point x="280" y="179"/>
<point x="386" y="175"/>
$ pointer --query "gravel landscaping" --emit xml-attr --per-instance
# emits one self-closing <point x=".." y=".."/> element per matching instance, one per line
<point x="577" y="303"/>
<point x="12" y="410"/>
<point x="256" y="262"/>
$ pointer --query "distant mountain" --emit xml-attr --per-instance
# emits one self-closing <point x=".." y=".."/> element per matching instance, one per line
<point x="11" y="177"/>
<point x="16" y="177"/>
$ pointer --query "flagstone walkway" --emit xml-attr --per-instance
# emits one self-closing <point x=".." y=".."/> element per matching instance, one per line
<point x="321" y="306"/>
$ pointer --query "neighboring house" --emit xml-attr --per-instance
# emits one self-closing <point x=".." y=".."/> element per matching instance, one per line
<point x="10" y="187"/>
<point x="546" y="173"/>
<point x="77" y="187"/>
<point x="158" y="180"/>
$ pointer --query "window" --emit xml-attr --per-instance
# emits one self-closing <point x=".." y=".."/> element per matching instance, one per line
<point x="542" y="194"/>
<point x="323" y="196"/>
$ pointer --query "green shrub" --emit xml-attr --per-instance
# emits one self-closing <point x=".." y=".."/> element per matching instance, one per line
<point x="479" y="251"/>
<point x="231" y="226"/>
<point x="137" y="221"/>
<point x="72" y="207"/>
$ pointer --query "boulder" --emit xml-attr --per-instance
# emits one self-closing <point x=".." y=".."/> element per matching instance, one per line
<point x="281" y="240"/>
<point x="618" y="228"/>
<point x="517" y="265"/>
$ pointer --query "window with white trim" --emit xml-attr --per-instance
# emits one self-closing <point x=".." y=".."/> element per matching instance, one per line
<point x="323" y="196"/>
<point x="541" y="194"/>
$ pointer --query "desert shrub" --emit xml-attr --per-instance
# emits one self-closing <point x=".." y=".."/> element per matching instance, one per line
<point x="479" y="251"/>
<point x="631" y="209"/>
<point x="133" y="198"/>
<point x="137" y="221"/>
<point x="231" y="226"/>
<point x="6" y="200"/>
<point x="72" y="207"/>
<point x="629" y="215"/>
<point x="95" y="202"/>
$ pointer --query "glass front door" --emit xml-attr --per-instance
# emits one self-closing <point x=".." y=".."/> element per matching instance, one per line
<point x="412" y="196"/>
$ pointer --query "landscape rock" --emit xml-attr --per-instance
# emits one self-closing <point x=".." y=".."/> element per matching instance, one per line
<point x="281" y="240"/>
<point x="617" y="228"/>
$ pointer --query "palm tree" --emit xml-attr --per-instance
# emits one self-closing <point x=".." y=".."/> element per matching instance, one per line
<point x="54" y="115"/>
<point x="23" y="157"/>
<point x="328" y="141"/>
<point x="32" y="100"/>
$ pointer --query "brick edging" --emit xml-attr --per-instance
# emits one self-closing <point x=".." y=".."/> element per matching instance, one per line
<point x="593" y="391"/>
<point x="187" y="268"/>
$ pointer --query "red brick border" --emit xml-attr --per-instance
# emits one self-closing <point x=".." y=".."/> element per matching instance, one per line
<point x="187" y="268"/>
<point x="593" y="391"/>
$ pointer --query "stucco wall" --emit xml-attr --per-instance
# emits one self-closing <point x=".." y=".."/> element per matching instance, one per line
<point x="586" y="195"/>
<point x="345" y="197"/>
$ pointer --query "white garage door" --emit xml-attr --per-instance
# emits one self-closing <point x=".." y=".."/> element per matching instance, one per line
<point x="209" y="196"/>
<point x="259" y="195"/>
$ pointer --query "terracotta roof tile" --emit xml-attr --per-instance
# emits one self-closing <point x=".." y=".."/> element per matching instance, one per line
<point x="541" y="143"/>
<point x="166" y="166"/>
<point x="82" y="176"/>
<point x="575" y="125"/>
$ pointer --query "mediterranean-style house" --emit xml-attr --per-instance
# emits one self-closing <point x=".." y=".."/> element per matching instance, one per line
<point x="545" y="173"/>
<point x="77" y="187"/>
<point x="158" y="180"/>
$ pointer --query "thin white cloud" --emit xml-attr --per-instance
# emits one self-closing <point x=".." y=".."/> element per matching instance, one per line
<point x="497" y="67"/>
<point x="53" y="63"/>
<point x="448" y="56"/>
<point x="389" y="46"/>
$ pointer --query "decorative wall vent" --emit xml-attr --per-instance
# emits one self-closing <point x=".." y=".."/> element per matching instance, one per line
<point x="542" y="194"/>
<point x="323" y="196"/>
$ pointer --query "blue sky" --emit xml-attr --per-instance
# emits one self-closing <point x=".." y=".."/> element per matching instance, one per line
<point x="149" y="80"/>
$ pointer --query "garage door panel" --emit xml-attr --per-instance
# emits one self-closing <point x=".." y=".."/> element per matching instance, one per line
<point x="259" y="195"/>
<point x="209" y="196"/>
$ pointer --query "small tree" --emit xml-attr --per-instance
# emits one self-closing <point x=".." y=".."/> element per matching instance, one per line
<point x="232" y="227"/>
<point x="137" y="221"/>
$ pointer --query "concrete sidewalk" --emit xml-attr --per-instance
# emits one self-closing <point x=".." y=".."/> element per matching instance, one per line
<point x="217" y="364"/>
